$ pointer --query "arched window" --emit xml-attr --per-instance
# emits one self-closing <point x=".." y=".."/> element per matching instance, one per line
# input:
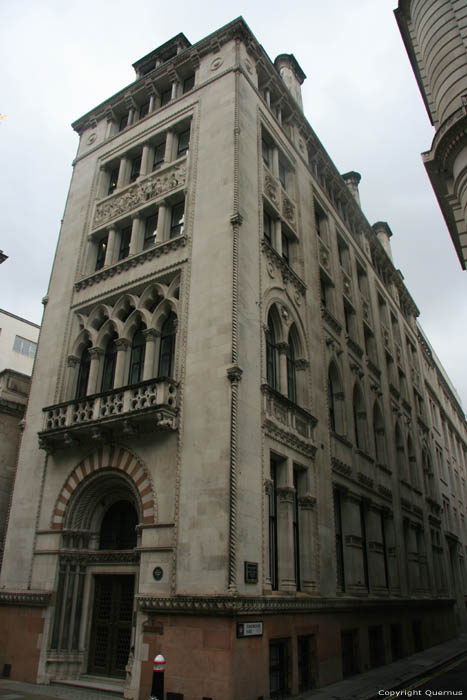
<point x="167" y="346"/>
<point x="138" y="348"/>
<point x="118" y="528"/>
<point x="413" y="467"/>
<point x="110" y="358"/>
<point x="271" y="354"/>
<point x="291" y="369"/>
<point x="83" y="372"/>
<point x="400" y="450"/>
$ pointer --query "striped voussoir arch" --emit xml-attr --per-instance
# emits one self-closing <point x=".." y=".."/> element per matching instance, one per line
<point x="107" y="457"/>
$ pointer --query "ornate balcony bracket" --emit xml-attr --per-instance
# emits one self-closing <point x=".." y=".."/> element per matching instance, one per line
<point x="142" y="408"/>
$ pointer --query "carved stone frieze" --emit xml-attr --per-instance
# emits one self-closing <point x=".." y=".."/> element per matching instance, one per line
<point x="288" y="210"/>
<point x="141" y="192"/>
<point x="270" y="188"/>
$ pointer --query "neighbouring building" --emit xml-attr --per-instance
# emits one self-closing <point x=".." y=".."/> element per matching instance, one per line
<point x="18" y="342"/>
<point x="435" y="36"/>
<point x="240" y="449"/>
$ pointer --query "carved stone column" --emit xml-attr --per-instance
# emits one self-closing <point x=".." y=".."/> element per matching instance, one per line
<point x="163" y="222"/>
<point x="169" y="146"/>
<point x="137" y="232"/>
<point x="283" y="348"/>
<point x="285" y="506"/>
<point x="268" y="491"/>
<point x="307" y="529"/>
<point x="96" y="354"/>
<point x="146" y="160"/>
<point x="353" y="542"/>
<point x="123" y="172"/>
<point x="152" y="342"/>
<point x="120" y="364"/>
<point x="110" y="250"/>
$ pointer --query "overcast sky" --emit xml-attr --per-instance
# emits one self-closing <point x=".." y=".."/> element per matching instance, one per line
<point x="60" y="59"/>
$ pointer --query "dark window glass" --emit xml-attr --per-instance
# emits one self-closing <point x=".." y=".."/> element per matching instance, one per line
<point x="271" y="356"/>
<point x="110" y="359"/>
<point x="125" y="239"/>
<point x="135" y="168"/>
<point x="138" y="348"/>
<point x="123" y="122"/>
<point x="296" y="533"/>
<point x="150" y="231"/>
<point x="144" y="109"/>
<point x="183" y="142"/>
<point x="166" y="96"/>
<point x="167" y="346"/>
<point x="285" y="248"/>
<point x="178" y="216"/>
<point x="283" y="175"/>
<point x="266" y="152"/>
<point x="159" y="153"/>
<point x="113" y="180"/>
<point x="323" y="289"/>
<point x="278" y="669"/>
<point x="291" y="372"/>
<point x="339" y="540"/>
<point x="188" y="83"/>
<point x="83" y="372"/>
<point x="267" y="226"/>
<point x="101" y="248"/>
<point x="118" y="529"/>
<point x="273" y="559"/>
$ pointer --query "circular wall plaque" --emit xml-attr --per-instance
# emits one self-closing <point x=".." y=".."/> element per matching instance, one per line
<point x="157" y="573"/>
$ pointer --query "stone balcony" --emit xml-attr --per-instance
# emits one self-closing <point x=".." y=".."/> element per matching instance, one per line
<point x="285" y="419"/>
<point x="141" y="408"/>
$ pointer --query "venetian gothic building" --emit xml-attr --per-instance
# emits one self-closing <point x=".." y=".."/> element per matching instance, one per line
<point x="435" y="36"/>
<point x="240" y="449"/>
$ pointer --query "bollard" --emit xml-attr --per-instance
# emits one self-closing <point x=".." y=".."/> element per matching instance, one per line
<point x="158" y="668"/>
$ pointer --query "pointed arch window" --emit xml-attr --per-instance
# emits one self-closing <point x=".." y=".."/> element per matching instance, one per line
<point x="83" y="371"/>
<point x="291" y="369"/>
<point x="271" y="354"/>
<point x="138" y="348"/>
<point x="359" y="416"/>
<point x="110" y="359"/>
<point x="336" y="401"/>
<point x="167" y="346"/>
<point x="379" y="435"/>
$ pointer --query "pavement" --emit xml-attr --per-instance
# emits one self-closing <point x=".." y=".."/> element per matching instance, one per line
<point x="372" y="685"/>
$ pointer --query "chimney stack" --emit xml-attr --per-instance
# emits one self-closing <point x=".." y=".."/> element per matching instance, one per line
<point x="292" y="75"/>
<point x="383" y="234"/>
<point x="352" y="180"/>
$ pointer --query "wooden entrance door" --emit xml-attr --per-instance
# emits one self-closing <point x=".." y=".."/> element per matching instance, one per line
<point x="111" y="625"/>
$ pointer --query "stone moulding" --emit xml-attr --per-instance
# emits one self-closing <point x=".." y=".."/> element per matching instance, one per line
<point x="139" y="193"/>
<point x="30" y="599"/>
<point x="232" y="606"/>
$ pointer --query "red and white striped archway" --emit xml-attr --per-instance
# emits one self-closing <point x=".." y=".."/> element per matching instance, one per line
<point x="115" y="457"/>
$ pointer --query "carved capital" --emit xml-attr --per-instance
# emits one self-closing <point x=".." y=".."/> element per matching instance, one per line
<point x="234" y="373"/>
<point x="122" y="344"/>
<point x="268" y="485"/>
<point x="72" y="361"/>
<point x="95" y="352"/>
<point x="151" y="334"/>
<point x="307" y="502"/>
<point x="286" y="494"/>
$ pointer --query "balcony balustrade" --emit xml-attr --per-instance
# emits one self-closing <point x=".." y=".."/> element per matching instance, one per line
<point x="145" y="407"/>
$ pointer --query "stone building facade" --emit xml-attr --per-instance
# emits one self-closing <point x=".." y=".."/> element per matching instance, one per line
<point x="241" y="452"/>
<point x="435" y="36"/>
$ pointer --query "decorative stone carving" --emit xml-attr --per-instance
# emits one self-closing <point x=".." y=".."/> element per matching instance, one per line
<point x="288" y="209"/>
<point x="270" y="187"/>
<point x="234" y="373"/>
<point x="139" y="193"/>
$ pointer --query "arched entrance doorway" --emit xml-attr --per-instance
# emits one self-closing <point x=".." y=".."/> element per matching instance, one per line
<point x="98" y="570"/>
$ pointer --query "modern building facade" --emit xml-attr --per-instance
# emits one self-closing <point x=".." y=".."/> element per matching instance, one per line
<point x="435" y="36"/>
<point x="241" y="452"/>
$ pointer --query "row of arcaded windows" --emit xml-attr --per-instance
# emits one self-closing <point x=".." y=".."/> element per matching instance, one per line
<point x="137" y="357"/>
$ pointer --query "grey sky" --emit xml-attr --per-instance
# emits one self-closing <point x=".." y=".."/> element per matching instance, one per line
<point x="61" y="59"/>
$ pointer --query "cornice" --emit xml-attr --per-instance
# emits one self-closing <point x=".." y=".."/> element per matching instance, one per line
<point x="238" y="605"/>
<point x="30" y="599"/>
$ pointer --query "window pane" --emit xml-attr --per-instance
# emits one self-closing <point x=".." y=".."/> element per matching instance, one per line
<point x="178" y="215"/>
<point x="267" y="226"/>
<point x="123" y="122"/>
<point x="188" y="83"/>
<point x="24" y="346"/>
<point x="183" y="142"/>
<point x="159" y="153"/>
<point x="125" y="238"/>
<point x="150" y="232"/>
<point x="166" y="96"/>
<point x="101" y="249"/>
<point x="135" y="168"/>
<point x="113" y="180"/>
<point x="144" y="109"/>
